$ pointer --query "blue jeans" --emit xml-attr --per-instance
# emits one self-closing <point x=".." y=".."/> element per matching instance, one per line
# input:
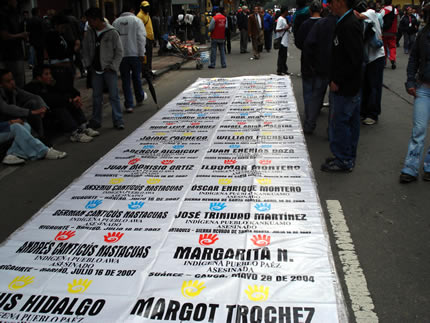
<point x="344" y="128"/>
<point x="217" y="43"/>
<point x="419" y="132"/>
<point x="133" y="65"/>
<point x="314" y="89"/>
<point x="24" y="144"/>
<point x="110" y="78"/>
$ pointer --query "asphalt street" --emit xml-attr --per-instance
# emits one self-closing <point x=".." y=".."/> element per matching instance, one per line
<point x="389" y="222"/>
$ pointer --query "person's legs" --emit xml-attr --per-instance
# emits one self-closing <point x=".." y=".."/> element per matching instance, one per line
<point x="392" y="47"/>
<point x="318" y="88"/>
<point x="213" y="53"/>
<point x="268" y="40"/>
<point x="97" y="115"/>
<point x="344" y="130"/>
<point x="419" y="132"/>
<point x="221" y="46"/>
<point x="307" y="94"/>
<point x="25" y="145"/>
<point x="136" y="67"/>
<point x="406" y="43"/>
<point x="111" y="79"/>
<point x="375" y="72"/>
<point x="125" y="68"/>
<point x="148" y="53"/>
<point x="243" y="40"/>
<point x="282" y="59"/>
<point x="412" y="41"/>
<point x="255" y="52"/>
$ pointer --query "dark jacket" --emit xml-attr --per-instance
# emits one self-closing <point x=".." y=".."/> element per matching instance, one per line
<point x="53" y="96"/>
<point x="404" y="26"/>
<point x="317" y="48"/>
<point x="305" y="28"/>
<point x="347" y="57"/>
<point x="298" y="18"/>
<point x="253" y="25"/>
<point x="419" y="60"/>
<point x="242" y="21"/>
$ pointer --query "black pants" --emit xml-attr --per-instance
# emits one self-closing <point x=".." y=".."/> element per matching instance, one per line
<point x="69" y="118"/>
<point x="282" y="60"/>
<point x="148" y="53"/>
<point x="372" y="89"/>
<point x="268" y="40"/>
<point x="228" y="41"/>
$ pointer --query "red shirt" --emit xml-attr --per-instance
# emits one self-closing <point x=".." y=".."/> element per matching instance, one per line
<point x="219" y="30"/>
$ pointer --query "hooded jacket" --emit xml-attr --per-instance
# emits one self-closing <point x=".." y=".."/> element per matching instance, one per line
<point x="132" y="33"/>
<point x="111" y="51"/>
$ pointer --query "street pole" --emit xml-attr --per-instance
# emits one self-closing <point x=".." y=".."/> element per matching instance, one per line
<point x="203" y="33"/>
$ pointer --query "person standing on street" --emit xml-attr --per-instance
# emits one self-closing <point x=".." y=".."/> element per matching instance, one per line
<point x="268" y="29"/>
<point x="409" y="27"/>
<point x="102" y="54"/>
<point x="217" y="28"/>
<point x="11" y="41"/>
<point x="146" y="19"/>
<point x="255" y="31"/>
<point x="242" y="24"/>
<point x="374" y="69"/>
<point x="281" y="30"/>
<point x="133" y="38"/>
<point x="419" y="88"/>
<point x="389" y="35"/>
<point x="345" y="82"/>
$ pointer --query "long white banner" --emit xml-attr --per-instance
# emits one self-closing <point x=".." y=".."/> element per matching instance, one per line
<point x="206" y="213"/>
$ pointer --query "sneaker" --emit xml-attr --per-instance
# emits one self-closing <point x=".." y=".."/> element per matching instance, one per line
<point x="426" y="176"/>
<point x="91" y="132"/>
<point x="211" y="66"/>
<point x="129" y="110"/>
<point x="406" y="178"/>
<point x="55" y="154"/>
<point x="119" y="126"/>
<point x="333" y="167"/>
<point x="13" y="160"/>
<point x="369" y="121"/>
<point x="80" y="137"/>
<point x="393" y="65"/>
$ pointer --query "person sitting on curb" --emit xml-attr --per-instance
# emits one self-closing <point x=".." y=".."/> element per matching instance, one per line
<point x="66" y="108"/>
<point x="17" y="103"/>
<point x="24" y="145"/>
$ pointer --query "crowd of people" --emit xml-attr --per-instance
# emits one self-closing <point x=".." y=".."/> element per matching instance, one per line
<point x="32" y="112"/>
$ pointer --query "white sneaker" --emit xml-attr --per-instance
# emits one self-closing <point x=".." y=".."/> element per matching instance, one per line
<point x="145" y="96"/>
<point x="80" y="137"/>
<point x="13" y="160"/>
<point x="91" y="132"/>
<point x="55" y="154"/>
<point x="369" y="121"/>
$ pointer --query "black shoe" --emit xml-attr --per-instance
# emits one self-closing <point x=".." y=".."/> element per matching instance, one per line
<point x="211" y="66"/>
<point x="119" y="126"/>
<point x="308" y="132"/>
<point x="426" y="176"/>
<point x="332" y="167"/>
<point x="279" y="73"/>
<point x="393" y="65"/>
<point x="406" y="178"/>
<point x="225" y="66"/>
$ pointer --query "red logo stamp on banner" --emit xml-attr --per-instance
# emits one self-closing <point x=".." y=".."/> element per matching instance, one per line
<point x="195" y="123"/>
<point x="230" y="161"/>
<point x="207" y="239"/>
<point x="267" y="122"/>
<point x="134" y="161"/>
<point x="241" y="122"/>
<point x="265" y="162"/>
<point x="64" y="235"/>
<point x="167" y="161"/>
<point x="169" y="123"/>
<point x="113" y="237"/>
<point x="260" y="240"/>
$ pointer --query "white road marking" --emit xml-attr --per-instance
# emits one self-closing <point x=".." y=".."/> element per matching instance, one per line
<point x="7" y="171"/>
<point x="362" y="304"/>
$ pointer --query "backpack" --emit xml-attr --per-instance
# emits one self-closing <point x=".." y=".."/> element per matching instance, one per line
<point x="388" y="20"/>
